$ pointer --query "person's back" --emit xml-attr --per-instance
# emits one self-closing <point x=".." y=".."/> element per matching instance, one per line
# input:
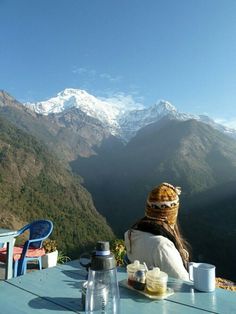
<point x="155" y="251"/>
<point x="155" y="239"/>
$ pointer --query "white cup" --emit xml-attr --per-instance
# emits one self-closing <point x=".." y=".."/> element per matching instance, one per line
<point x="203" y="276"/>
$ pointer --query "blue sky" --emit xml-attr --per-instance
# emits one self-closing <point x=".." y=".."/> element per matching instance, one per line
<point x="183" y="51"/>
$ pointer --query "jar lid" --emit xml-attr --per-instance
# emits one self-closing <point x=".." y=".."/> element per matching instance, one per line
<point x="154" y="275"/>
<point x="155" y="271"/>
<point x="133" y="266"/>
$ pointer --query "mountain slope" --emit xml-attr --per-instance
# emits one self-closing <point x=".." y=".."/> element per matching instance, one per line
<point x="209" y="222"/>
<point x="189" y="154"/>
<point x="186" y="153"/>
<point x="78" y="133"/>
<point x="67" y="134"/>
<point x="33" y="185"/>
<point x="24" y="118"/>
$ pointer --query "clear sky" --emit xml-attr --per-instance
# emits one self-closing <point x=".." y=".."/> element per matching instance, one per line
<point x="183" y="51"/>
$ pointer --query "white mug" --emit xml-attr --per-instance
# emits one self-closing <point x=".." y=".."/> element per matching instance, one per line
<point x="203" y="276"/>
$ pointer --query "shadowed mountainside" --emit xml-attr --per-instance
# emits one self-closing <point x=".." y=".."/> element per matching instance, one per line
<point x="189" y="154"/>
<point x="209" y="224"/>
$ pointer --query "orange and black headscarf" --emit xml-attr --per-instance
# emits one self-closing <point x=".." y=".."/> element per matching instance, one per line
<point x="163" y="203"/>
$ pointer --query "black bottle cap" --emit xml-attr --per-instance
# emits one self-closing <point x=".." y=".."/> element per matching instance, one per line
<point x="103" y="246"/>
<point x="103" y="259"/>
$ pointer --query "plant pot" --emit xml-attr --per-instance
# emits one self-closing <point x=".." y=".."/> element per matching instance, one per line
<point x="49" y="259"/>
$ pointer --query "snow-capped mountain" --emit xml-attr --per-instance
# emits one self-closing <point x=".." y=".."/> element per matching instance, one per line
<point x="130" y="122"/>
<point x="121" y="120"/>
<point x="73" y="98"/>
<point x="107" y="112"/>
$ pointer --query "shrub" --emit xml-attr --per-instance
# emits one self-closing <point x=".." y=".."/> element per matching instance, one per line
<point x="119" y="251"/>
<point x="49" y="246"/>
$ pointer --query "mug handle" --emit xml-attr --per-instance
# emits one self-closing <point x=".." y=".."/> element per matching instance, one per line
<point x="190" y="270"/>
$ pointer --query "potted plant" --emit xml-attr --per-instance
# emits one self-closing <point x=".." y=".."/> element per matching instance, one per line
<point x="119" y="251"/>
<point x="51" y="254"/>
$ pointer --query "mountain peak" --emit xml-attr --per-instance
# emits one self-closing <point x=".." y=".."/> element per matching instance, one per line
<point x="165" y="106"/>
<point x="64" y="100"/>
<point x="119" y="114"/>
<point x="101" y="109"/>
<point x="5" y="95"/>
<point x="72" y="92"/>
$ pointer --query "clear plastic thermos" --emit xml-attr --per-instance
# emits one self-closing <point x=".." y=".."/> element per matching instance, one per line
<point x="102" y="296"/>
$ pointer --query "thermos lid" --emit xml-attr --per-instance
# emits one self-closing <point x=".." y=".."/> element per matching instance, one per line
<point x="102" y="258"/>
<point x="103" y="247"/>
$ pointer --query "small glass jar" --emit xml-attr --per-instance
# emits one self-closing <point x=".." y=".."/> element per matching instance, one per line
<point x="139" y="279"/>
<point x="131" y="270"/>
<point x="156" y="281"/>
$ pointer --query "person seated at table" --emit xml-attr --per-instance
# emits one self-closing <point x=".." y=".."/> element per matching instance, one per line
<point x="156" y="239"/>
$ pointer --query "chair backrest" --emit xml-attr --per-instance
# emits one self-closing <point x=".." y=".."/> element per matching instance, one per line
<point x="39" y="230"/>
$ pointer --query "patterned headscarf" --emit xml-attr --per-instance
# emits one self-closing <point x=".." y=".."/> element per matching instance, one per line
<point x="163" y="203"/>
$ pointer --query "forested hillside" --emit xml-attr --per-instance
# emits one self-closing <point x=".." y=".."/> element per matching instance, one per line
<point x="33" y="185"/>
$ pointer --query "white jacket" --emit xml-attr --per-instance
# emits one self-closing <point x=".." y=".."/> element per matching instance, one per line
<point x="155" y="251"/>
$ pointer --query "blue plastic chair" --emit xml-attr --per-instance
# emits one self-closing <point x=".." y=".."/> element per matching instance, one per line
<point x="39" y="230"/>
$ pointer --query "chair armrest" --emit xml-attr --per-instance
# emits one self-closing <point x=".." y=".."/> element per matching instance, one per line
<point x="37" y="240"/>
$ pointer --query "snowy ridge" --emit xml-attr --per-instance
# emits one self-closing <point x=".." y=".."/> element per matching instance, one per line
<point x="120" y="119"/>
<point x="134" y="120"/>
<point x="105" y="112"/>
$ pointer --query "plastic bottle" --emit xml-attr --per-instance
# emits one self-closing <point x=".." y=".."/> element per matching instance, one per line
<point x="102" y="296"/>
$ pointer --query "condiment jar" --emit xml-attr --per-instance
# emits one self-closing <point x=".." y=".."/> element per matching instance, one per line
<point x="156" y="281"/>
<point x="139" y="279"/>
<point x="131" y="269"/>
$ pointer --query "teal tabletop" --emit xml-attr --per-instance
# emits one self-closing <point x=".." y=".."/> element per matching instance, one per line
<point x="58" y="290"/>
